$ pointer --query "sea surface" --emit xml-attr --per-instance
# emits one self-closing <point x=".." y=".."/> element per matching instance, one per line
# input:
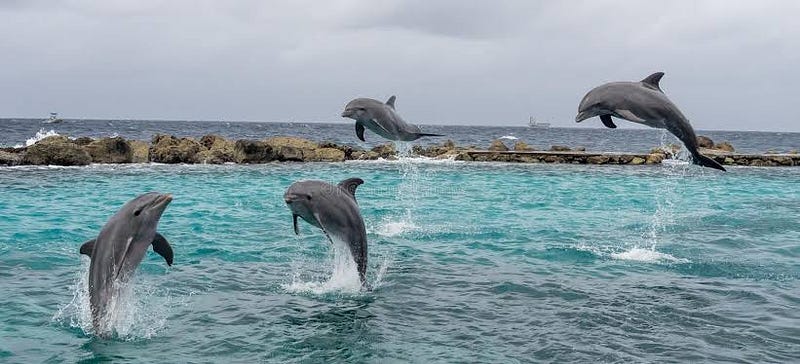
<point x="469" y="262"/>
<point x="21" y="132"/>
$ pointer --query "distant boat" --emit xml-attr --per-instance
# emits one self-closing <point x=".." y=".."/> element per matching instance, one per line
<point x="534" y="124"/>
<point x="53" y="119"/>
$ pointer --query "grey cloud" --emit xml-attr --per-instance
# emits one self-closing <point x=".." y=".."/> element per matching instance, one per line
<point x="729" y="64"/>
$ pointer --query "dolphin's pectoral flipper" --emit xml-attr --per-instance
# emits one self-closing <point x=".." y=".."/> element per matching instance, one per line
<point x="390" y="101"/>
<point x="87" y="248"/>
<point x="606" y="119"/>
<point x="350" y="185"/>
<point x="428" y="134"/>
<point x="652" y="81"/>
<point x="322" y="226"/>
<point x="360" y="131"/>
<point x="628" y="115"/>
<point x="294" y="223"/>
<point x="161" y="246"/>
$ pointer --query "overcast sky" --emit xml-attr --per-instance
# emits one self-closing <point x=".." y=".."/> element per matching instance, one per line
<point x="730" y="65"/>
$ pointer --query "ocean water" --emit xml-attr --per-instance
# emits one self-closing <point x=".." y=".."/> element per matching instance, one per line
<point x="470" y="262"/>
<point x="19" y="132"/>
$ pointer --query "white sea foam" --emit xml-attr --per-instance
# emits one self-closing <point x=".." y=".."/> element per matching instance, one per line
<point x="41" y="134"/>
<point x="647" y="256"/>
<point x="136" y="311"/>
<point x="509" y="137"/>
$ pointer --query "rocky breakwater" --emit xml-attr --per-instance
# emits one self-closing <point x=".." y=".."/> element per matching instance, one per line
<point x="214" y="149"/>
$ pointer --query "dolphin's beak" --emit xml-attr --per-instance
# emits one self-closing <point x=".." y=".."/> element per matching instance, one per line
<point x="583" y="116"/>
<point x="347" y="113"/>
<point x="289" y="198"/>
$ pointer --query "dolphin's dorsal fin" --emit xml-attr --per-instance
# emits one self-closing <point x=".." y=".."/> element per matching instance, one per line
<point x="652" y="80"/>
<point x="161" y="246"/>
<point x="88" y="247"/>
<point x="350" y="185"/>
<point x="390" y="101"/>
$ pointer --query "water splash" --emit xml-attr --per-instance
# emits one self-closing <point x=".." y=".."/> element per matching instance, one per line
<point x="137" y="310"/>
<point x="342" y="274"/>
<point x="647" y="256"/>
<point x="41" y="134"/>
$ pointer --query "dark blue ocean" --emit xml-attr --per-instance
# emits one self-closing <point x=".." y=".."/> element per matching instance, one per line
<point x="15" y="132"/>
<point x="469" y="262"/>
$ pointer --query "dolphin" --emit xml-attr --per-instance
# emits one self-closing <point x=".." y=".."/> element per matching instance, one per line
<point x="382" y="119"/>
<point x="120" y="247"/>
<point x="645" y="103"/>
<point x="332" y="208"/>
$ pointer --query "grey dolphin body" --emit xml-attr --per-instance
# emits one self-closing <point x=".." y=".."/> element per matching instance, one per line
<point x="382" y="119"/>
<point x="332" y="208"/>
<point x="645" y="103"/>
<point x="119" y="248"/>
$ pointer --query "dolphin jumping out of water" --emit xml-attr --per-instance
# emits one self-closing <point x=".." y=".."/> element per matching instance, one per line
<point x="120" y="247"/>
<point x="645" y="103"/>
<point x="382" y="119"/>
<point x="332" y="208"/>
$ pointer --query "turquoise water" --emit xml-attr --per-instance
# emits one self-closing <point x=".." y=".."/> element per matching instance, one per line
<point x="469" y="262"/>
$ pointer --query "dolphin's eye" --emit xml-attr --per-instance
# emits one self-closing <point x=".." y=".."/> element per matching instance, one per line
<point x="362" y="109"/>
<point x="308" y="197"/>
<point x="137" y="212"/>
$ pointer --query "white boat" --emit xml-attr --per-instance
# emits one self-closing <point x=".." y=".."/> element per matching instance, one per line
<point x="534" y="124"/>
<point x="53" y="119"/>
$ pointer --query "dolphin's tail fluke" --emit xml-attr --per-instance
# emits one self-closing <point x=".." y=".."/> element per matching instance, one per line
<point x="704" y="161"/>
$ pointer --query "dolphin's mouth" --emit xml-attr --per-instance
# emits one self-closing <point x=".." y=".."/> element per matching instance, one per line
<point x="583" y="116"/>
<point x="162" y="200"/>
<point x="347" y="113"/>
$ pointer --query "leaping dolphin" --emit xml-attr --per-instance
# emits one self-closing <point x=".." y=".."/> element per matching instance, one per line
<point x="119" y="248"/>
<point x="382" y="119"/>
<point x="645" y="103"/>
<point x="332" y="208"/>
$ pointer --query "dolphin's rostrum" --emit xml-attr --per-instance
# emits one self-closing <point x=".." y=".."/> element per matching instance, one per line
<point x="645" y="103"/>
<point x="382" y="119"/>
<point x="332" y="208"/>
<point x="119" y="248"/>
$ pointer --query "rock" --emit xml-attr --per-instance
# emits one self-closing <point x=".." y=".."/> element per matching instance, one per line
<point x="9" y="158"/>
<point x="559" y="148"/>
<point x="252" y="151"/>
<point x="793" y="151"/>
<point x="82" y="141"/>
<point x="655" y="158"/>
<point x="328" y="155"/>
<point x="704" y="142"/>
<point x="218" y="150"/>
<point x="169" y="149"/>
<point x="463" y="156"/>
<point x="292" y="148"/>
<point x="110" y="150"/>
<point x="521" y="146"/>
<point x="597" y="159"/>
<point x="724" y="146"/>
<point x="385" y="150"/>
<point x="140" y="151"/>
<point x="449" y="145"/>
<point x="498" y="146"/>
<point x="553" y="159"/>
<point x="56" y="150"/>
<point x="637" y="161"/>
<point x="728" y="160"/>
<point x="580" y="149"/>
<point x="348" y="150"/>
